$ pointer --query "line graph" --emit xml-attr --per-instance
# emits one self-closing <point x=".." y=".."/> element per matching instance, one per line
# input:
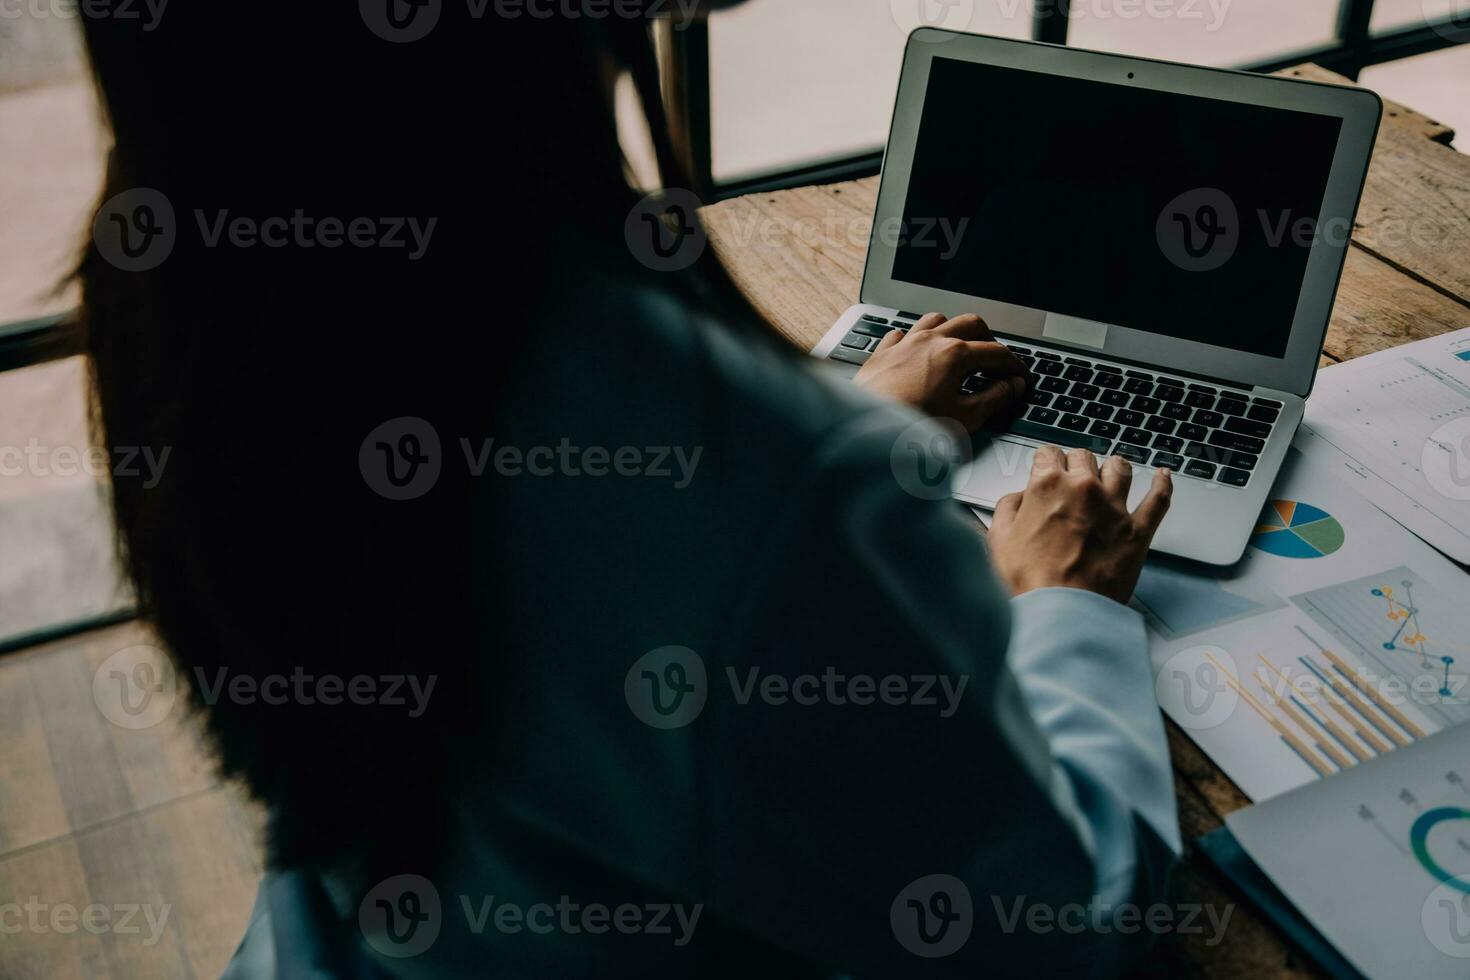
<point x="1408" y="635"/>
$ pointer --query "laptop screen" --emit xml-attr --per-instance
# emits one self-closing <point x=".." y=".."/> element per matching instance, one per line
<point x="1173" y="214"/>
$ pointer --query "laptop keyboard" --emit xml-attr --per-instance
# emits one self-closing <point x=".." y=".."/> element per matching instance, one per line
<point x="1199" y="430"/>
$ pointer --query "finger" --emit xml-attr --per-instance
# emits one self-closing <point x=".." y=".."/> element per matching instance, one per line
<point x="989" y="358"/>
<point x="966" y="326"/>
<point x="1117" y="478"/>
<point x="1081" y="461"/>
<point x="889" y="339"/>
<point x="1150" y="513"/>
<point x="973" y="411"/>
<point x="928" y="322"/>
<point x="1048" y="459"/>
<point x="1006" y="509"/>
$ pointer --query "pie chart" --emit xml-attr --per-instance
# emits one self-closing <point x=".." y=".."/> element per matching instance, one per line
<point x="1290" y="529"/>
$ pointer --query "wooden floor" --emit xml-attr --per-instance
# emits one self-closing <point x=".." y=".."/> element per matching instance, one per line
<point x="131" y="821"/>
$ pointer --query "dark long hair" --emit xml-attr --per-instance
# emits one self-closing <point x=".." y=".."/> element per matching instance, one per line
<point x="261" y="552"/>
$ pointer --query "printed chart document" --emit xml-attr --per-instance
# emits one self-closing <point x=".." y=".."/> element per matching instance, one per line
<point x="1378" y="858"/>
<point x="1338" y="639"/>
<point x="1396" y="425"/>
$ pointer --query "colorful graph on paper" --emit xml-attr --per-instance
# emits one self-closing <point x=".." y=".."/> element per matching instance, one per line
<point x="1295" y="530"/>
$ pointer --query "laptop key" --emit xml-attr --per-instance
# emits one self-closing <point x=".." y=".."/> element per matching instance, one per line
<point x="1229" y="406"/>
<point x="1076" y="423"/>
<point x="1138" y="437"/>
<point x="1019" y="351"/>
<point x="1177" y="412"/>
<point x="1078" y="361"/>
<point x="1199" y="399"/>
<point x="1117" y="399"/>
<point x="1129" y="417"/>
<point x="1055" y="385"/>
<point x="1061" y="437"/>
<point x="871" y="329"/>
<point x="972" y="384"/>
<point x="1212" y="419"/>
<point x="1165" y="393"/>
<point x="1048" y="355"/>
<point x="1104" y="428"/>
<point x="849" y="356"/>
<point x="1069" y="404"/>
<point x="1199" y="468"/>
<point x="1138" y="386"/>
<point x="909" y="316"/>
<point x="1170" y="460"/>
<point x="1086" y="392"/>
<point x="1135" y="453"/>
<point x="1044" y="415"/>
<point x="1171" y="382"/>
<point x="1039" y="397"/>
<point x="1106" y="379"/>
<point x="1266" y="401"/>
<point x="1097" y="411"/>
<point x="1205" y="388"/>
<point x="1233" y="477"/>
<point x="856" y="341"/>
<point x="1139" y="374"/>
<point x="1169" y="444"/>
<point x="1234" y="440"/>
<point x="1055" y="367"/>
<point x="1026" y="359"/>
<point x="1160" y="424"/>
<point x="1189" y="430"/>
<point x="1263" y="413"/>
<point x="1146" y="405"/>
<point x="1248" y="427"/>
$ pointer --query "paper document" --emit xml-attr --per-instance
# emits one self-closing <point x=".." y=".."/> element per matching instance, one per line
<point x="1396" y="425"/>
<point x="1339" y="638"/>
<point x="1378" y="858"/>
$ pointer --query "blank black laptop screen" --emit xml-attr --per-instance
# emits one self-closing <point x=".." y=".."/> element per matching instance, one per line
<point x="1174" y="214"/>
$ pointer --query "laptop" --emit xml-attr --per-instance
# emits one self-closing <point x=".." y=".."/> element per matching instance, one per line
<point x="1159" y="243"/>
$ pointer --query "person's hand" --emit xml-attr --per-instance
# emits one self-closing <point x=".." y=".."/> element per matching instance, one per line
<point x="1071" y="527"/>
<point x="926" y="368"/>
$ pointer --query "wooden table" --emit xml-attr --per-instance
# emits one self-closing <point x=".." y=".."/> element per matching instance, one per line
<point x="799" y="255"/>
